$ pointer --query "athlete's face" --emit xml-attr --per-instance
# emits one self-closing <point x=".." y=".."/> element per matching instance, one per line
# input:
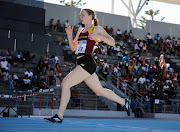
<point x="85" y="17"/>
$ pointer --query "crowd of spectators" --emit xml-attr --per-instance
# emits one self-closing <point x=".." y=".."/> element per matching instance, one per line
<point x="58" y="26"/>
<point x="48" y="71"/>
<point x="11" y="58"/>
<point x="154" y="78"/>
<point x="170" y="46"/>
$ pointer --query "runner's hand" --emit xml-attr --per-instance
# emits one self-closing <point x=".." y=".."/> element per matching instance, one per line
<point x="69" y="31"/>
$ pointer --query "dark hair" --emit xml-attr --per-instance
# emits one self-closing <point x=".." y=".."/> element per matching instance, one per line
<point x="93" y="13"/>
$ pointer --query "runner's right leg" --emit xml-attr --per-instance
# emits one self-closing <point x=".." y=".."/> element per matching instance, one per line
<point x="73" y="78"/>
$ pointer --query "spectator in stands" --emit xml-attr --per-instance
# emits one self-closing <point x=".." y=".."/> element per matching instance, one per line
<point x="174" y="40"/>
<point x="168" y="89"/>
<point x="58" y="26"/>
<point x="116" y="49"/>
<point x="96" y="56"/>
<point x="103" y="50"/>
<point x="136" y="108"/>
<point x="74" y="31"/>
<point x="157" y="38"/>
<point x="51" y="62"/>
<point x="51" y="24"/>
<point x="26" y="84"/>
<point x="142" y="89"/>
<point x="111" y="32"/>
<point x="142" y="80"/>
<point x="5" y="76"/>
<point x="149" y="38"/>
<point x="99" y="48"/>
<point x="125" y="58"/>
<point x="167" y="47"/>
<point x="40" y="64"/>
<point x="124" y="47"/>
<point x="99" y="68"/>
<point x="42" y="84"/>
<point x="178" y="43"/>
<point x="162" y="61"/>
<point x="130" y="35"/>
<point x="105" y="64"/>
<point x="126" y="35"/>
<point x="148" y="102"/>
<point x="66" y="24"/>
<point x="106" y="29"/>
<point x="105" y="68"/>
<point x="130" y="67"/>
<point x="56" y="77"/>
<point x="52" y="79"/>
<point x="172" y="51"/>
<point x="120" y="55"/>
<point x="59" y="72"/>
<point x="79" y="25"/>
<point x="1" y="75"/>
<point x="157" y="62"/>
<point x="127" y="79"/>
<point x="161" y="44"/>
<point x="9" y="56"/>
<point x="4" y="64"/>
<point x="141" y="44"/>
<point x="2" y="55"/>
<point x="118" y="34"/>
<point x="44" y="75"/>
<point x="27" y="55"/>
<point x="137" y="47"/>
<point x="56" y="58"/>
<point x="168" y="39"/>
<point x="64" y="41"/>
<point x="19" y="58"/>
<point x="123" y="71"/>
<point x="29" y="73"/>
<point x="15" y="79"/>
<point x="144" y="49"/>
<point x="35" y="79"/>
<point x="152" y="61"/>
<point x="116" y="68"/>
<point x="45" y="60"/>
<point x="75" y="96"/>
<point x="133" y="95"/>
<point x="124" y="87"/>
<point x="178" y="78"/>
<point x="111" y="67"/>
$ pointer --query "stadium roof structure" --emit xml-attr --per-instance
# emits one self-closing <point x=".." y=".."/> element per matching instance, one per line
<point x="134" y="12"/>
<point x="176" y="2"/>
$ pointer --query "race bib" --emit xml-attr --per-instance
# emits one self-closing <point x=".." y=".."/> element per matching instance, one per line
<point x="81" y="47"/>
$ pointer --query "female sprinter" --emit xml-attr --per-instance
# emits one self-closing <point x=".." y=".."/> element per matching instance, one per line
<point x="85" y="70"/>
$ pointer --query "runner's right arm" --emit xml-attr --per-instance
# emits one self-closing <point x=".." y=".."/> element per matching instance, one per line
<point x="73" y="43"/>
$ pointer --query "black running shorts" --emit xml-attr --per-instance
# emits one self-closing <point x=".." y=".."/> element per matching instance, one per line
<point x="87" y="63"/>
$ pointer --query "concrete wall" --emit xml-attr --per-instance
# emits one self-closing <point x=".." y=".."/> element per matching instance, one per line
<point x="34" y="3"/>
<point x="166" y="116"/>
<point x="61" y="12"/>
<point x="84" y="113"/>
<point x="116" y="21"/>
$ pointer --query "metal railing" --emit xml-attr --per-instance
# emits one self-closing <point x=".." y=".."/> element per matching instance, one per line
<point x="129" y="88"/>
<point x="160" y="106"/>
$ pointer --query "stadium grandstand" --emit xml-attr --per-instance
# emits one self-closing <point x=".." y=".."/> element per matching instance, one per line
<point x="35" y="56"/>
